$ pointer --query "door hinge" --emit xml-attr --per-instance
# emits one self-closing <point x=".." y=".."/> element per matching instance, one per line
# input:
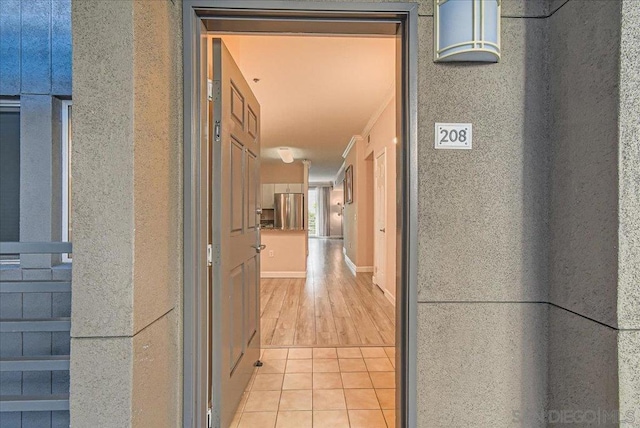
<point x="209" y="257"/>
<point x="209" y="418"/>
<point x="213" y="90"/>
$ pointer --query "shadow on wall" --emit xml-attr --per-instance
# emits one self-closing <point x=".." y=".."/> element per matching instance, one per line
<point x="534" y="271"/>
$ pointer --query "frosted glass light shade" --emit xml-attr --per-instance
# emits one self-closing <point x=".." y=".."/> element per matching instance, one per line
<point x="467" y="30"/>
<point x="285" y="154"/>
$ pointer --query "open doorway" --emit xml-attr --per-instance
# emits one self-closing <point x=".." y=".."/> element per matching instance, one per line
<point x="331" y="329"/>
<point x="327" y="331"/>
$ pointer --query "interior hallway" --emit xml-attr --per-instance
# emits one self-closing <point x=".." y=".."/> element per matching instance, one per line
<point x="331" y="307"/>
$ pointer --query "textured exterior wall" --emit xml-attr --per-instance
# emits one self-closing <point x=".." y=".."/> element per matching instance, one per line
<point x="481" y="365"/>
<point x="483" y="233"/>
<point x="583" y="369"/>
<point x="128" y="219"/>
<point x="595" y="234"/>
<point x="584" y="206"/>
<point x="629" y="168"/>
<point x="584" y="179"/>
<point x="629" y="207"/>
<point x="497" y="225"/>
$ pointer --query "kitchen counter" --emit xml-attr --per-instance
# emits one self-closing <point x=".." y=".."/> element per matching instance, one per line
<point x="285" y="254"/>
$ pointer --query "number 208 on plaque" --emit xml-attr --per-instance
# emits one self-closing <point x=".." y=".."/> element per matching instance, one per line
<point x="453" y="136"/>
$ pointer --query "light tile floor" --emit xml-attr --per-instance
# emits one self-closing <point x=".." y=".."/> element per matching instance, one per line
<point x="321" y="387"/>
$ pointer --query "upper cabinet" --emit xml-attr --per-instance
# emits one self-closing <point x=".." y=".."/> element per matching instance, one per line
<point x="267" y="195"/>
<point x="268" y="190"/>
<point x="288" y="187"/>
<point x="281" y="188"/>
<point x="295" y="188"/>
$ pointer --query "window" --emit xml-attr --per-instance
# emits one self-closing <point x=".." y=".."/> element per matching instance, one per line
<point x="9" y="174"/>
<point x="66" y="176"/>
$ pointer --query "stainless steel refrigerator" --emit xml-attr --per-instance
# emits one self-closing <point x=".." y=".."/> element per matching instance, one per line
<point x="289" y="211"/>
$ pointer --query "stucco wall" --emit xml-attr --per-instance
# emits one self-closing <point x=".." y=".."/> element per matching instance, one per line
<point x="128" y="214"/>
<point x="594" y="235"/>
<point x="489" y="230"/>
<point x="483" y="232"/>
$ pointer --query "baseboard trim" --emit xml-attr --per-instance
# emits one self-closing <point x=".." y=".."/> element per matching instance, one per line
<point x="390" y="297"/>
<point x="356" y="269"/>
<point x="350" y="264"/>
<point x="292" y="274"/>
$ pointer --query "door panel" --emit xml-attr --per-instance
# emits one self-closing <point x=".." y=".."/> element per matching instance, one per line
<point x="253" y="184"/>
<point x="252" y="298"/>
<point x="234" y="144"/>
<point x="237" y="104"/>
<point x="236" y="185"/>
<point x="236" y="302"/>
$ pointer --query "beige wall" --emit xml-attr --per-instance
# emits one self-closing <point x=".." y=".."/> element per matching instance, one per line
<point x="289" y="257"/>
<point x="280" y="172"/>
<point x="350" y="243"/>
<point x="359" y="237"/>
<point x="358" y="220"/>
<point x="382" y="138"/>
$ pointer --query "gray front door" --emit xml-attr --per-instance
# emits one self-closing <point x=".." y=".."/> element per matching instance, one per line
<point x="235" y="272"/>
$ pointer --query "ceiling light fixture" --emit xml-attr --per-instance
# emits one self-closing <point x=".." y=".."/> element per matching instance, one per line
<point x="285" y="154"/>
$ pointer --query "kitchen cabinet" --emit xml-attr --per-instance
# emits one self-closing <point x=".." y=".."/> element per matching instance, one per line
<point x="295" y="188"/>
<point x="288" y="188"/>
<point x="281" y="188"/>
<point x="268" y="191"/>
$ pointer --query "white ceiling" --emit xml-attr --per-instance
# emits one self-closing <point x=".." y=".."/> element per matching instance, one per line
<point x="315" y="92"/>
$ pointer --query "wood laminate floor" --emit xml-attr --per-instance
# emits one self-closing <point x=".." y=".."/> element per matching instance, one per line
<point x="331" y="307"/>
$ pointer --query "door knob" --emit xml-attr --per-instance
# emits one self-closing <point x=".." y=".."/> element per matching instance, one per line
<point x="259" y="247"/>
<point x="383" y="230"/>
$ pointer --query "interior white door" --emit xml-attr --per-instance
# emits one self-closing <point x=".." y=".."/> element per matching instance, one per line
<point x="380" y="221"/>
<point x="234" y="222"/>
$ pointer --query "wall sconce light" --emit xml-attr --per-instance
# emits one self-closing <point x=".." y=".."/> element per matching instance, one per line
<point x="285" y="154"/>
<point x="467" y="30"/>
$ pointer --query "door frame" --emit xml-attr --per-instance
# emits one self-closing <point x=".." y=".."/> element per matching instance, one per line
<point x="195" y="14"/>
